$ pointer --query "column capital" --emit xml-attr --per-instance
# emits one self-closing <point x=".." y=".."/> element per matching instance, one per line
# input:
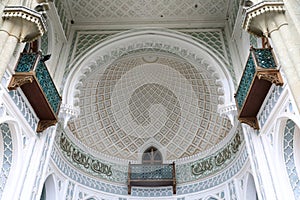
<point x="257" y="17"/>
<point x="33" y="23"/>
<point x="67" y="112"/>
<point x="228" y="110"/>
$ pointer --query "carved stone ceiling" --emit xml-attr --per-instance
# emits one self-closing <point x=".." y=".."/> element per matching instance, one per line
<point x="149" y="98"/>
<point x="145" y="12"/>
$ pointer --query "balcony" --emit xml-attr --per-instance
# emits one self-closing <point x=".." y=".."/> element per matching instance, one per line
<point x="32" y="76"/>
<point x="259" y="75"/>
<point x="151" y="175"/>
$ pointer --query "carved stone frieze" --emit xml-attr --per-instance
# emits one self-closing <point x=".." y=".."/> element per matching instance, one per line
<point x="208" y="164"/>
<point x="82" y="159"/>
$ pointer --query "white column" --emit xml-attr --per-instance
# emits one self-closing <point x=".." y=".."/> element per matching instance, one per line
<point x="263" y="180"/>
<point x="9" y="45"/>
<point x="269" y="19"/>
<point x="287" y="47"/>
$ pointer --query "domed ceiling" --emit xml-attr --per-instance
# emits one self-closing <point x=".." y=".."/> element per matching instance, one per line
<point x="150" y="98"/>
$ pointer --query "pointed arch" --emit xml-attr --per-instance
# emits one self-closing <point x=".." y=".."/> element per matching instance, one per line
<point x="11" y="144"/>
<point x="50" y="190"/>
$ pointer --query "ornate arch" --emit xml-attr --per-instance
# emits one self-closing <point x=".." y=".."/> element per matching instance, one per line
<point x="157" y="40"/>
<point x="11" y="157"/>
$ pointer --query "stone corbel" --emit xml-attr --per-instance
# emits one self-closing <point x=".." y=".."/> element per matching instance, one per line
<point x="32" y="22"/>
<point x="229" y="111"/>
<point x="259" y="18"/>
<point x="68" y="112"/>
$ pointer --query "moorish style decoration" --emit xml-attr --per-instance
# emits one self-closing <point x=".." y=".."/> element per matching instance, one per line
<point x="259" y="75"/>
<point x="32" y="76"/>
<point x="258" y="17"/>
<point x="151" y="175"/>
<point x="33" y="22"/>
<point x="219" y="159"/>
<point x="83" y="159"/>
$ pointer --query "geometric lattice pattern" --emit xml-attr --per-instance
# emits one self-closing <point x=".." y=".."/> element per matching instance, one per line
<point x="149" y="96"/>
<point x="212" y="39"/>
<point x="288" y="147"/>
<point x="274" y="95"/>
<point x="87" y="40"/>
<point x="117" y="10"/>
<point x="70" y="191"/>
<point x="7" y="155"/>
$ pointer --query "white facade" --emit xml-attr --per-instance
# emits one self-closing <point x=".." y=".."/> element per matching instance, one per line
<point x="136" y="74"/>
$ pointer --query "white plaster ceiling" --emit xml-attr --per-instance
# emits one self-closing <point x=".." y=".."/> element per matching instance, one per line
<point x="149" y="98"/>
<point x="147" y="12"/>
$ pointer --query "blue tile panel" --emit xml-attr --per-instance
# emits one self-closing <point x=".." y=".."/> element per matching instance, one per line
<point x="47" y="85"/>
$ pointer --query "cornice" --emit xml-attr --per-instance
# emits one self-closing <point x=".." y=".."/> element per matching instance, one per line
<point x="34" y="23"/>
<point x="256" y="16"/>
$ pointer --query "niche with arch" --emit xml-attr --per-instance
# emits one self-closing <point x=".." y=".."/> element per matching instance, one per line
<point x="152" y="156"/>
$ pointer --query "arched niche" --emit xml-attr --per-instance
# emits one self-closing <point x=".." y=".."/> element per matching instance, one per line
<point x="10" y="153"/>
<point x="250" y="192"/>
<point x="286" y="145"/>
<point x="160" y="40"/>
<point x="152" y="156"/>
<point x="49" y="190"/>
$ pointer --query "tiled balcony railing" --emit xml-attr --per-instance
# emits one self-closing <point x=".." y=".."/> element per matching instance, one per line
<point x="32" y="76"/>
<point x="151" y="175"/>
<point x="259" y="74"/>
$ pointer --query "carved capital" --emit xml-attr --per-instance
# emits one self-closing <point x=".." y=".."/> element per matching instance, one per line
<point x="257" y="17"/>
<point x="18" y="80"/>
<point x="228" y="110"/>
<point x="251" y="121"/>
<point x="272" y="76"/>
<point x="67" y="112"/>
<point x="33" y="23"/>
<point x="44" y="124"/>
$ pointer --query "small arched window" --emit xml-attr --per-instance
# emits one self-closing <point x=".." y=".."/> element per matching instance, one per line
<point x="152" y="156"/>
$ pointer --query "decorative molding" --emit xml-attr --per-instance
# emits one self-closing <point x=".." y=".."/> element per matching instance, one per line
<point x="68" y="112"/>
<point x="228" y="110"/>
<point x="257" y="16"/>
<point x="219" y="159"/>
<point x="272" y="76"/>
<point x="24" y="107"/>
<point x="82" y="158"/>
<point x="7" y="152"/>
<point x="20" y="79"/>
<point x="289" y="156"/>
<point x="34" y="23"/>
<point x="93" y="182"/>
<point x="269" y="104"/>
